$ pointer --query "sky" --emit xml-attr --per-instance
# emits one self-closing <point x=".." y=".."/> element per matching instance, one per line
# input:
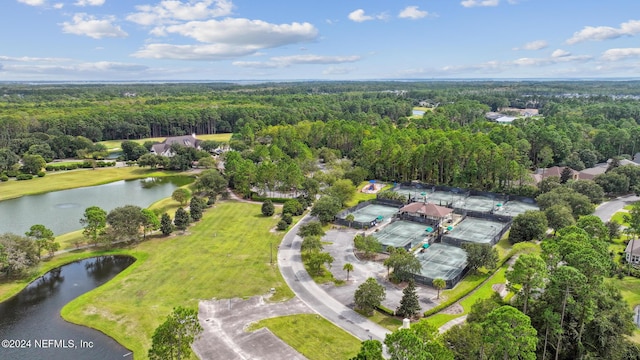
<point x="145" y="40"/>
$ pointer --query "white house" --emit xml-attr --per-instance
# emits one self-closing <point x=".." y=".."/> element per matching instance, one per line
<point x="164" y="148"/>
<point x="632" y="252"/>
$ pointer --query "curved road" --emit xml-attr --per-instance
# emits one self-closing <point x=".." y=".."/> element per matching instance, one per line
<point x="292" y="269"/>
<point x="606" y="210"/>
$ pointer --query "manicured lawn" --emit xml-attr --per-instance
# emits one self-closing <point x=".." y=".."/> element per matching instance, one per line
<point x="386" y="321"/>
<point x="76" y="179"/>
<point x="115" y="144"/>
<point x="630" y="289"/>
<point x="483" y="292"/>
<point x="313" y="336"/>
<point x="225" y="255"/>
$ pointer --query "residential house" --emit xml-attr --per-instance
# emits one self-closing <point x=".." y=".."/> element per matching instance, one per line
<point x="632" y="252"/>
<point x="164" y="148"/>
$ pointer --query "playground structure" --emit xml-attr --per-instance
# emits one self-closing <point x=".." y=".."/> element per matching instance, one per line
<point x="372" y="187"/>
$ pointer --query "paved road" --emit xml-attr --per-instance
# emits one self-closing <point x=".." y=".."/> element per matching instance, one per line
<point x="606" y="210"/>
<point x="292" y="269"/>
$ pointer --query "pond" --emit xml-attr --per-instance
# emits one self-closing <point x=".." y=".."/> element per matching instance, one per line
<point x="418" y="112"/>
<point x="31" y="322"/>
<point x="61" y="211"/>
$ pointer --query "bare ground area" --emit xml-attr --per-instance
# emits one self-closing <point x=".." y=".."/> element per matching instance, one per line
<point x="224" y="323"/>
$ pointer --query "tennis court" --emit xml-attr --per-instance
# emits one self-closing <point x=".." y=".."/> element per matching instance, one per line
<point x="372" y="211"/>
<point x="514" y="208"/>
<point x="441" y="261"/>
<point x="442" y="198"/>
<point x="474" y="230"/>
<point x="406" y="234"/>
<point x="477" y="203"/>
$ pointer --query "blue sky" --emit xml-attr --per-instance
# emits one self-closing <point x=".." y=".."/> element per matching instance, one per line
<point x="311" y="39"/>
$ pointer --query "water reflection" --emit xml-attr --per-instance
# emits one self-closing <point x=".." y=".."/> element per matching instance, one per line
<point x="34" y="314"/>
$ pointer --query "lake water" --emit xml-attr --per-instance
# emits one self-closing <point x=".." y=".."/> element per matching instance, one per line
<point x="33" y="316"/>
<point x="61" y="211"/>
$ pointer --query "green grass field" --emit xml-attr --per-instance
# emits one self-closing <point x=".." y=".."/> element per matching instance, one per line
<point x="115" y="144"/>
<point x="313" y="336"/>
<point x="75" y="179"/>
<point x="360" y="196"/>
<point x="630" y="289"/>
<point x="225" y="255"/>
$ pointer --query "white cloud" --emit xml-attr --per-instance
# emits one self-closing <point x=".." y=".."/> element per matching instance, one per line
<point x="560" y="53"/>
<point x="599" y="33"/>
<point x="620" y="54"/>
<point x="30" y="59"/>
<point x="71" y="69"/>
<point x="89" y="3"/>
<point x="560" y="58"/>
<point x="173" y="11"/>
<point x="33" y="2"/>
<point x="88" y="25"/>
<point x="287" y="61"/>
<point x="533" y="45"/>
<point x="360" y="16"/>
<point x="58" y="6"/>
<point x="245" y="32"/>
<point x="412" y="12"/>
<point x="194" y="52"/>
<point x="478" y="3"/>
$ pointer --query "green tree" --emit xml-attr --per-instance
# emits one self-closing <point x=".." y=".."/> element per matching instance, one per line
<point x="317" y="258"/>
<point x="559" y="216"/>
<point x="181" y="219"/>
<point x="93" y="221"/>
<point x="210" y="183"/>
<point x="410" y="303"/>
<point x="593" y="226"/>
<point x="368" y="244"/>
<point x="527" y="275"/>
<point x="420" y="342"/>
<point x="7" y="159"/>
<point x="348" y="267"/>
<point x="196" y="208"/>
<point x="126" y="221"/>
<point x="173" y="338"/>
<point x="326" y="209"/>
<point x="613" y="229"/>
<point x="32" y="164"/>
<point x="311" y="228"/>
<point x="132" y="151"/>
<point x="404" y="264"/>
<point x="350" y="218"/>
<point x="311" y="243"/>
<point x="166" y="225"/>
<point x="43" y="237"/>
<point x="480" y="255"/>
<point x="150" y="222"/>
<point x="293" y="207"/>
<point x="508" y="334"/>
<point x="439" y="284"/>
<point x="528" y="226"/>
<point x="589" y="189"/>
<point x="267" y="208"/>
<point x="180" y="195"/>
<point x="343" y="190"/>
<point x="369" y="295"/>
<point x="465" y="341"/>
<point x="370" y="350"/>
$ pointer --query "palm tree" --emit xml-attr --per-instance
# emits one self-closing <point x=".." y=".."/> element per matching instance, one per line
<point x="348" y="267"/>
<point x="350" y="218"/>
<point x="439" y="284"/>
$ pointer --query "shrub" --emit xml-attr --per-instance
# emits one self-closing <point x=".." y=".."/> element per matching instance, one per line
<point x="41" y="173"/>
<point x="282" y="225"/>
<point x="293" y="207"/>
<point x="4" y="178"/>
<point x="286" y="217"/>
<point x="24" y="177"/>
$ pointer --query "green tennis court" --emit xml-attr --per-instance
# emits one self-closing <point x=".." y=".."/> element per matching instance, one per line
<point x="477" y="203"/>
<point x="372" y="211"/>
<point x="441" y="261"/>
<point x="406" y="234"/>
<point x="514" y="208"/>
<point x="473" y="230"/>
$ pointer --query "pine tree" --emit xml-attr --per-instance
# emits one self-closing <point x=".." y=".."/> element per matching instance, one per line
<point x="165" y="224"/>
<point x="410" y="304"/>
<point x="181" y="219"/>
<point x="196" y="206"/>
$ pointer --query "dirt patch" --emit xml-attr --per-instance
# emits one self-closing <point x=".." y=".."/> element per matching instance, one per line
<point x="454" y="309"/>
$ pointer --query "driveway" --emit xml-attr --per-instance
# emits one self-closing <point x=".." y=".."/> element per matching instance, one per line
<point x="317" y="298"/>
<point x="606" y="210"/>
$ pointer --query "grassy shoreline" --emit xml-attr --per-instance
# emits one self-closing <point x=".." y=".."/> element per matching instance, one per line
<point x="77" y="179"/>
